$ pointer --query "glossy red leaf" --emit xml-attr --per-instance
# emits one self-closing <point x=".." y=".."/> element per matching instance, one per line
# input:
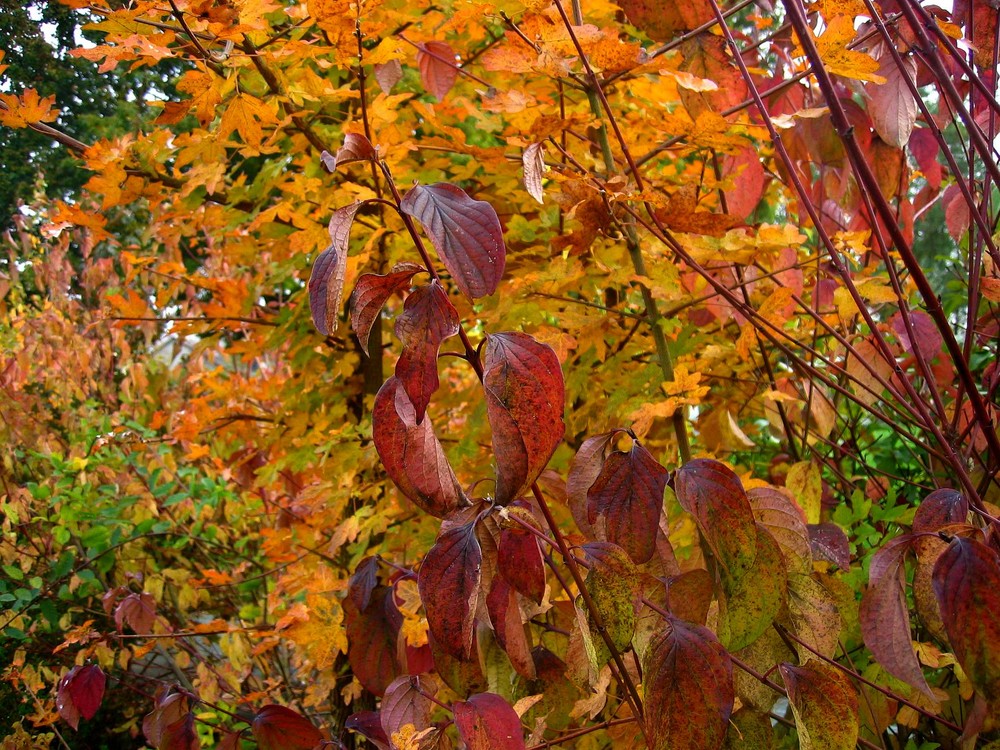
<point x="170" y="726"/>
<point x="533" y="161"/>
<point x="465" y="232"/>
<point x="825" y="705"/>
<point x="450" y="583"/>
<point x="404" y="703"/>
<point x="627" y="500"/>
<point x="828" y="543"/>
<point x="138" y="611"/>
<point x="369" y="725"/>
<point x="487" y="722"/>
<point x="363" y="582"/>
<point x="885" y="616"/>
<point x="966" y="583"/>
<point x="326" y="283"/>
<point x="428" y="318"/>
<point x="411" y="453"/>
<point x="521" y="564"/>
<point x="371" y="293"/>
<point x="688" y="686"/>
<point x="524" y="403"/>
<point x="80" y="693"/>
<point x="280" y="728"/>
<point x="940" y="508"/>
<point x="372" y="640"/>
<point x="924" y="147"/>
<point x="714" y="495"/>
<point x="438" y="70"/>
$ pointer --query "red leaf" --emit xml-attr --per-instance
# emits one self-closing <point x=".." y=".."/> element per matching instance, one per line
<point x="411" y="453"/>
<point x="279" y="728"/>
<point x="749" y="180"/>
<point x="437" y="75"/>
<point x="967" y="586"/>
<point x="371" y="640"/>
<point x="924" y="147"/>
<point x="80" y="693"/>
<point x="363" y="582"/>
<point x="628" y="496"/>
<point x="524" y="405"/>
<point x="520" y="562"/>
<point x="138" y="611"/>
<point x="505" y="614"/>
<point x="450" y="586"/>
<point x="829" y="543"/>
<point x="487" y="722"/>
<point x="927" y="336"/>
<point x="370" y="295"/>
<point x="369" y="725"/>
<point x="388" y="74"/>
<point x="170" y="726"/>
<point x="356" y="148"/>
<point x="890" y="104"/>
<point x="326" y="283"/>
<point x="688" y="685"/>
<point x="405" y="703"/>
<point x="583" y="472"/>
<point x="428" y="318"/>
<point x="533" y="161"/>
<point x="885" y="616"/>
<point x="939" y="509"/>
<point x="714" y="495"/>
<point x="466" y="234"/>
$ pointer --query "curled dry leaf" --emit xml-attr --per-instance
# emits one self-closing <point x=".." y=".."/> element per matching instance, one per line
<point x="465" y="232"/>
<point x="438" y="69"/>
<point x="411" y="453"/>
<point x="326" y="283"/>
<point x="371" y="293"/>
<point x="80" y="693"/>
<point x="450" y="583"/>
<point x="487" y="722"/>
<point x="280" y="728"/>
<point x="533" y="161"/>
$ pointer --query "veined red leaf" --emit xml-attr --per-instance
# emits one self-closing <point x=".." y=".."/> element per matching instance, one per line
<point x="890" y="104"/>
<point x="438" y="69"/>
<point x="170" y="726"/>
<point x="533" y="161"/>
<point x="688" y="688"/>
<point x="885" y="615"/>
<point x="520" y="563"/>
<point x="369" y="725"/>
<point x="465" y="232"/>
<point x="967" y="586"/>
<point x="388" y="74"/>
<point x="138" y="611"/>
<point x="80" y="693"/>
<point x="487" y="722"/>
<point x="280" y="728"/>
<point x="613" y="585"/>
<point x="825" y="705"/>
<point x="628" y="497"/>
<point x="372" y="640"/>
<point x="326" y="283"/>
<point x="363" y="582"/>
<point x="829" y="543"/>
<point x="356" y="148"/>
<point x="714" y="495"/>
<point x="928" y="338"/>
<point x="404" y="703"/>
<point x="787" y="523"/>
<point x="411" y="453"/>
<point x="450" y="583"/>
<point x="428" y="318"/>
<point x="508" y="627"/>
<point x="524" y="404"/>
<point x="583" y="472"/>
<point x="940" y="508"/>
<point x="371" y="293"/>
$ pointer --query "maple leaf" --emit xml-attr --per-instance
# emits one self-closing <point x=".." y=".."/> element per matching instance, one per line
<point x="26" y="109"/>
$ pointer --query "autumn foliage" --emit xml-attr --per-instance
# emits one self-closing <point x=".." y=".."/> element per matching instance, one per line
<point x="513" y="374"/>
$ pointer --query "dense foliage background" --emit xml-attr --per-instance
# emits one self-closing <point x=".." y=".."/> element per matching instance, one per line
<point x="728" y="274"/>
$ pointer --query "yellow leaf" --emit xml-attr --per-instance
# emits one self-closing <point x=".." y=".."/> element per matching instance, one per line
<point x="26" y="109"/>
<point x="806" y="485"/>
<point x="837" y="58"/>
<point x="243" y="115"/>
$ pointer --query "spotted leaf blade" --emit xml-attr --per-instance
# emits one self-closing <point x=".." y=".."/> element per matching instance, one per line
<point x="487" y="722"/>
<point x="450" y="583"/>
<point x="465" y="232"/>
<point x="825" y="706"/>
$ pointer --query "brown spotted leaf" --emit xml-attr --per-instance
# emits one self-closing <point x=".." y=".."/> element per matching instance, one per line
<point x="438" y="70"/>
<point x="829" y="544"/>
<point x="411" y="453"/>
<point x="428" y="318"/>
<point x="487" y="722"/>
<point x="825" y="705"/>
<point x="450" y="583"/>
<point x="326" y="283"/>
<point x="371" y="293"/>
<point x="465" y="232"/>
<point x="688" y="687"/>
<point x="80" y="693"/>
<point x="752" y="600"/>
<point x="280" y="728"/>
<point x="627" y="500"/>
<point x="967" y="586"/>
<point x="524" y="404"/>
<point x="814" y="614"/>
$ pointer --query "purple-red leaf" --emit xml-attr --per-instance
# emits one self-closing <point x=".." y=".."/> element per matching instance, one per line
<point x="520" y="563"/>
<point x="369" y="725"/>
<point x="404" y="703"/>
<point x="714" y="495"/>
<point x="885" y="616"/>
<point x="967" y="586"/>
<point x="524" y="404"/>
<point x="356" y="148"/>
<point x="828" y="543"/>
<point x="370" y="295"/>
<point x="138" y="611"/>
<point x="363" y="582"/>
<point x="627" y="497"/>
<point x="428" y="318"/>
<point x="688" y="686"/>
<point x="533" y="161"/>
<point x="279" y="728"/>
<point x="411" y="453"/>
<point x="927" y="336"/>
<point x="450" y="583"/>
<point x="465" y="232"/>
<point x="326" y="283"/>
<point x="438" y="69"/>
<point x="372" y="640"/>
<point x="170" y="726"/>
<point x="487" y="722"/>
<point x="939" y="509"/>
<point x="80" y="693"/>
